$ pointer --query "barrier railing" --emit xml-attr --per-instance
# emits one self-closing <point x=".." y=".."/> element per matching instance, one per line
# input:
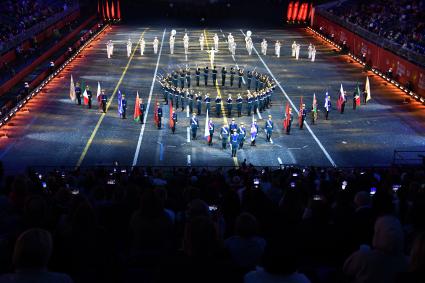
<point x="409" y="157"/>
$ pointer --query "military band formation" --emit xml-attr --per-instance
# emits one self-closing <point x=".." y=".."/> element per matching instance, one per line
<point x="254" y="97"/>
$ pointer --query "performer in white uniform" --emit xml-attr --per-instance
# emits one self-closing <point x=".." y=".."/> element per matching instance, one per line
<point x="310" y="49"/>
<point x="297" y="51"/>
<point x="215" y="38"/>
<point x="264" y="47"/>
<point x="186" y="43"/>
<point x="277" y="48"/>
<point x="172" y="39"/>
<point x="142" y="46"/>
<point x="212" y="52"/>
<point x="155" y="45"/>
<point x="129" y="44"/>
<point x="313" y="54"/>
<point x="201" y="41"/>
<point x="108" y="49"/>
<point x="294" y="47"/>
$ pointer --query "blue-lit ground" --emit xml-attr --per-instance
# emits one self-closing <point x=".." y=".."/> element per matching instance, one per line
<point x="57" y="132"/>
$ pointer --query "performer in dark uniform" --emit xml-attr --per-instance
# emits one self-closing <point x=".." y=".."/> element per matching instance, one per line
<point x="218" y="105"/>
<point x="104" y="100"/>
<point x="197" y="74"/>
<point x="214" y="76"/>
<point x="174" y="122"/>
<point x="232" y="76"/>
<point x="239" y="102"/>
<point x="229" y="105"/>
<point x="240" y="74"/>
<point x="223" y="76"/>
<point x="78" y="93"/>
<point x="206" y="70"/>
<point x="301" y="116"/>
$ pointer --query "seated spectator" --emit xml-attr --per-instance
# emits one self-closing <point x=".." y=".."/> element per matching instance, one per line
<point x="384" y="260"/>
<point x="30" y="258"/>
<point x="246" y="248"/>
<point x="279" y="265"/>
<point x="416" y="270"/>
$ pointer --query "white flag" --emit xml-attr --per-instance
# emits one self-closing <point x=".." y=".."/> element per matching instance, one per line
<point x="342" y="93"/>
<point x="72" y="94"/>
<point x="367" y="89"/>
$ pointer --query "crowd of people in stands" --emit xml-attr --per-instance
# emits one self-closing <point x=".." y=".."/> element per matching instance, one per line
<point x="18" y="16"/>
<point x="219" y="225"/>
<point x="400" y="21"/>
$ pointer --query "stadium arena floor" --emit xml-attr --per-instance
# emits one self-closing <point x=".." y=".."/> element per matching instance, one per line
<point x="56" y="132"/>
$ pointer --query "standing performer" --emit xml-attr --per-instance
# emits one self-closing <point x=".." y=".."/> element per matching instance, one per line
<point x="301" y="116"/>
<point x="197" y="75"/>
<point x="207" y="101"/>
<point x="89" y="95"/>
<point x="104" y="100"/>
<point x="223" y="76"/>
<point x="155" y="45"/>
<point x="234" y="142"/>
<point x="112" y="47"/>
<point x="254" y="131"/>
<point x="327" y="105"/>
<point x="78" y="93"/>
<point x="229" y="105"/>
<point x="108" y="49"/>
<point x="191" y="101"/>
<point x="269" y="128"/>
<point x="240" y="74"/>
<point x="199" y="103"/>
<point x="173" y="121"/>
<point x="215" y="39"/>
<point x="314" y="110"/>
<point x="186" y="43"/>
<point x="264" y="47"/>
<point x="188" y="78"/>
<point x="211" y="131"/>
<point x="232" y="76"/>
<point x="172" y="40"/>
<point x="206" y="70"/>
<point x="142" y="46"/>
<point x="212" y="54"/>
<point x="277" y="48"/>
<point x="242" y="135"/>
<point x="233" y="48"/>
<point x="142" y="110"/>
<point x="124" y="106"/>
<point x="248" y="80"/>
<point x="224" y="135"/>
<point x="239" y="102"/>
<point x="249" y="103"/>
<point x="313" y="54"/>
<point x="289" y="118"/>
<point x="294" y="47"/>
<point x="129" y="45"/>
<point x="218" y="105"/>
<point x="201" y="41"/>
<point x="194" y="125"/>
<point x="297" y="51"/>
<point x="310" y="50"/>
<point x="159" y="114"/>
<point x="214" y="76"/>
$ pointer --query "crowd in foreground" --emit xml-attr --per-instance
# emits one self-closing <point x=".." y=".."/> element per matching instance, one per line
<point x="249" y="224"/>
<point x="399" y="21"/>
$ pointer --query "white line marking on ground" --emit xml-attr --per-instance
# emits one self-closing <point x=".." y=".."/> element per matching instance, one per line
<point x="142" y="130"/>
<point x="188" y="134"/>
<point x="279" y="160"/>
<point x="187" y="111"/>
<point x="259" y="115"/>
<point x="295" y="108"/>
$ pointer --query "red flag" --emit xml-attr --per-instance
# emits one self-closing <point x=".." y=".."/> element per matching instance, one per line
<point x="300" y="114"/>
<point x="155" y="115"/>
<point x="171" y="122"/>
<point x="119" y="10"/>
<point x="137" y="109"/>
<point x="112" y="10"/>
<point x="98" y="7"/>
<point x="301" y="11"/>
<point x="107" y="9"/>
<point x="295" y="10"/>
<point x="289" y="13"/>
<point x="287" y="118"/>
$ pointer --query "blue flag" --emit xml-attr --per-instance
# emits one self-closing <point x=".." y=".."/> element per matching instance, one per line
<point x="120" y="110"/>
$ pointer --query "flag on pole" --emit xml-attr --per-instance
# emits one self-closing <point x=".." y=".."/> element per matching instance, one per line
<point x="98" y="93"/>
<point x="86" y="97"/>
<point x="207" y="128"/>
<point x="72" y="94"/>
<point x="341" y="98"/>
<point x="120" y="110"/>
<point x="137" y="113"/>
<point x="171" y="121"/>
<point x="367" y="89"/>
<point x="357" y="95"/>
<point x="155" y="113"/>
<point x="287" y="117"/>
<point x="300" y="114"/>
<point x="327" y="102"/>
<point x="314" y="102"/>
